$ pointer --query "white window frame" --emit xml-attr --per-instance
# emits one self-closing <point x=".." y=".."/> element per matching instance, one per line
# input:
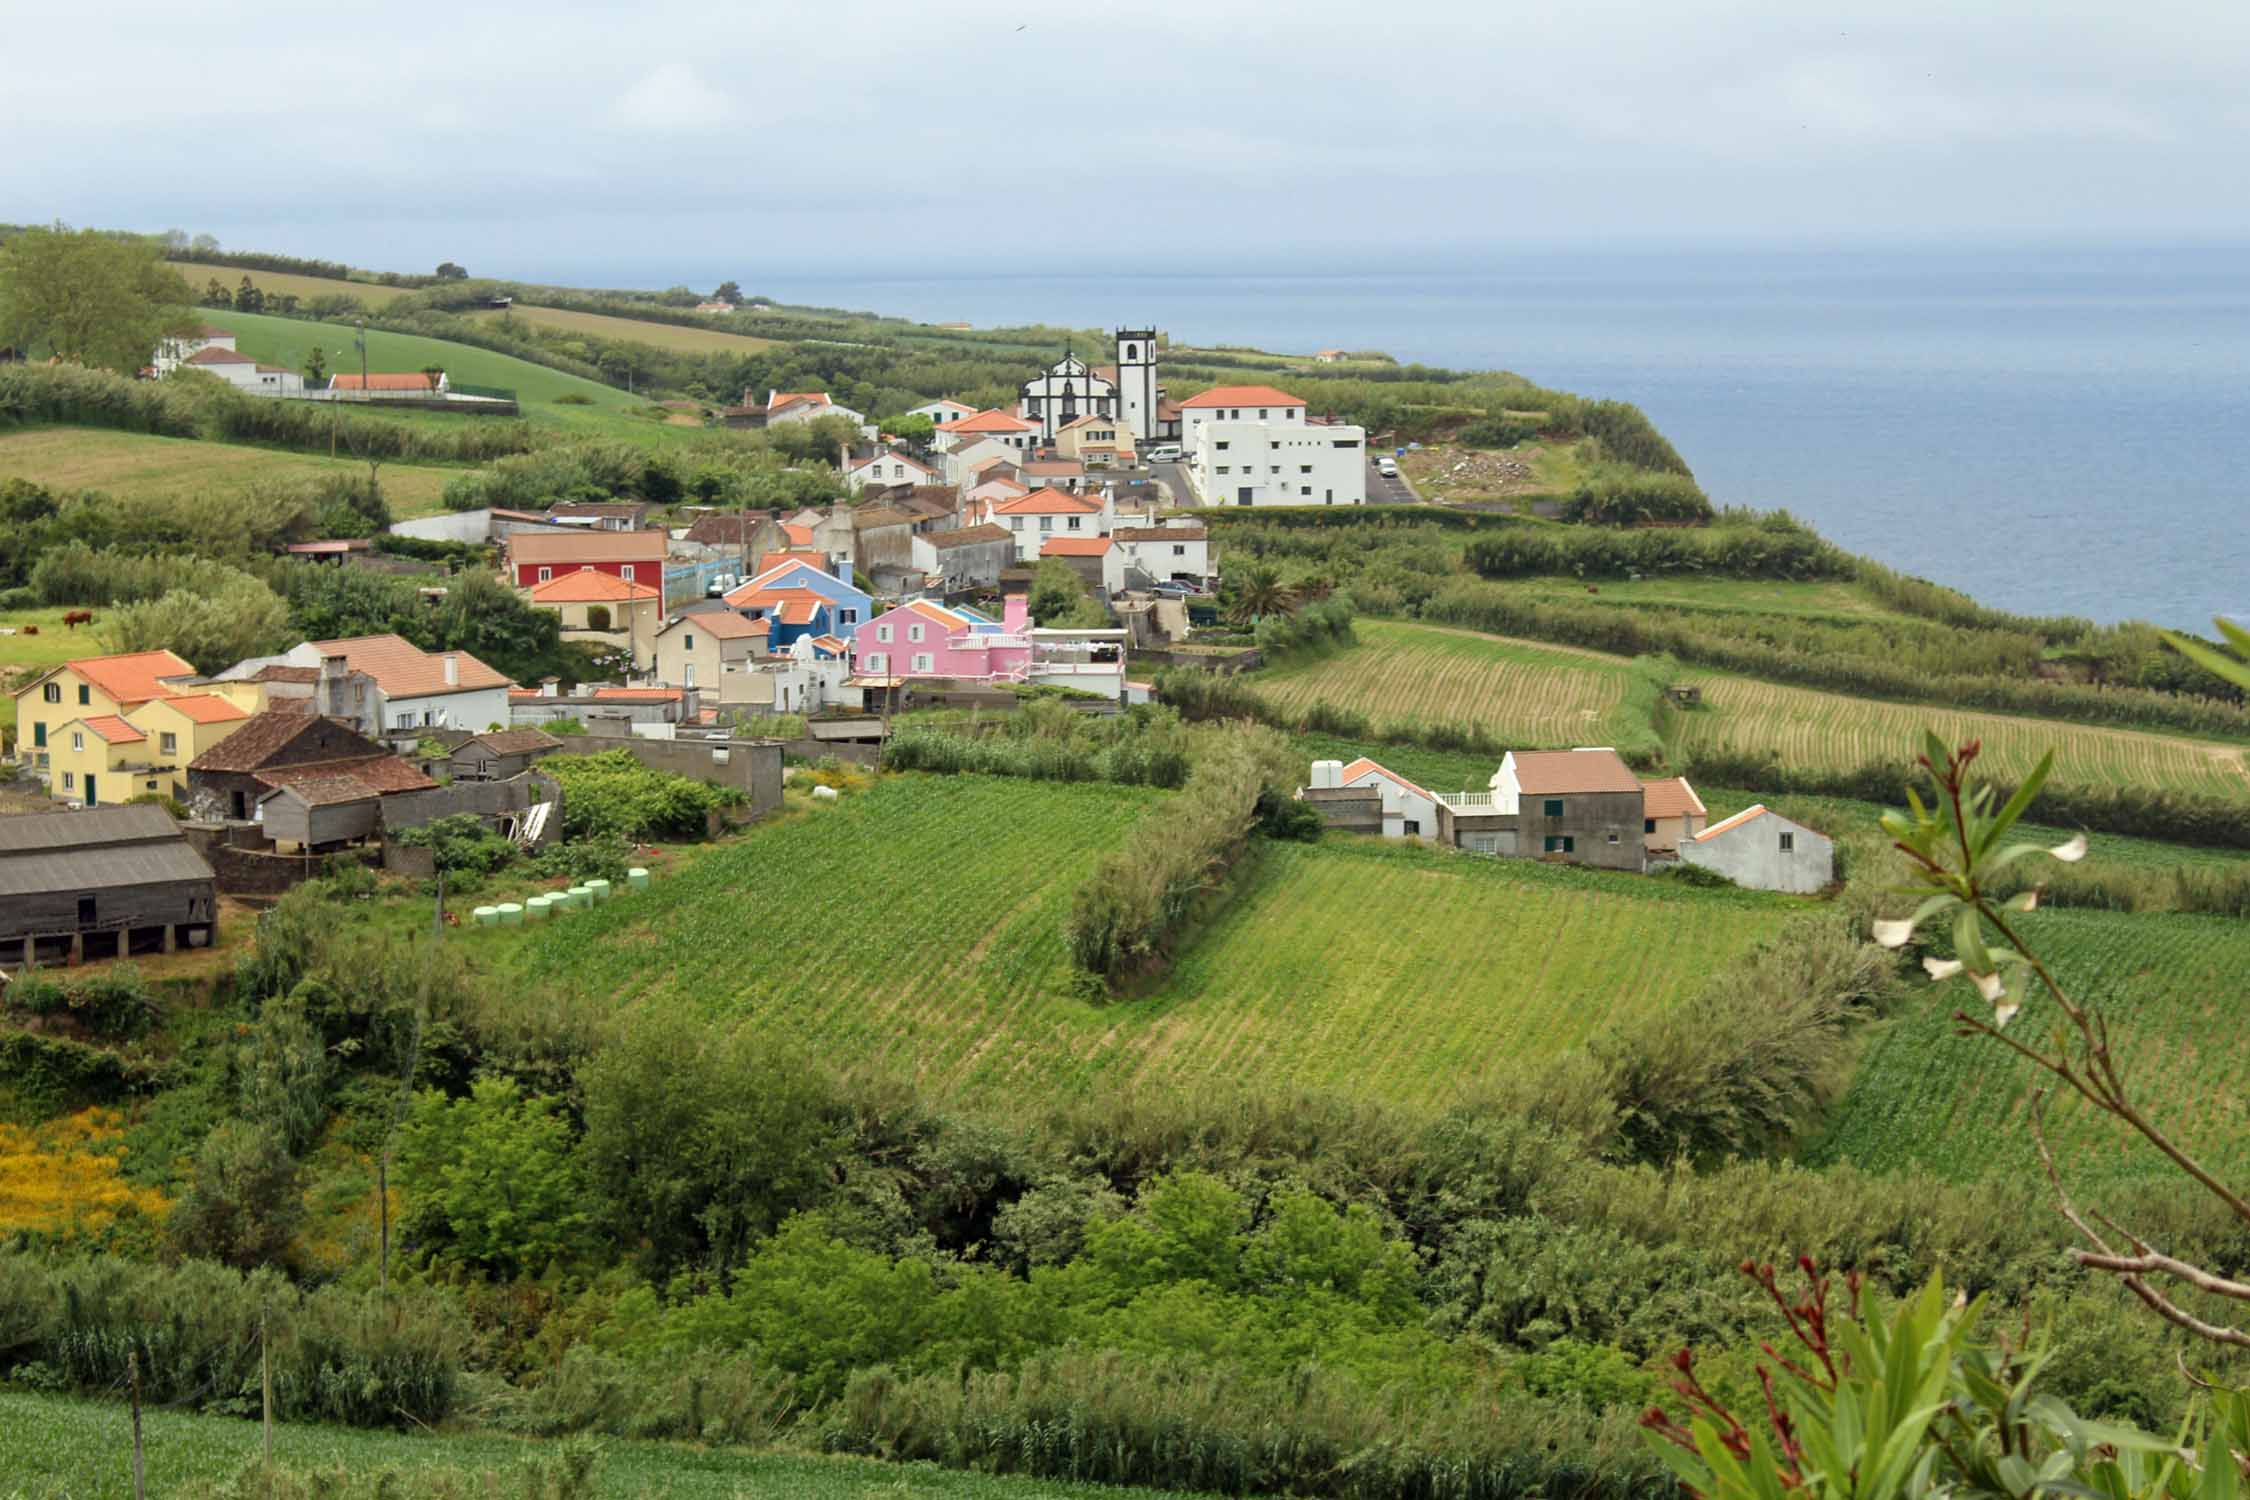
<point x="77" y="741"/>
<point x="922" y="661"/>
<point x="883" y="633"/>
<point x="546" y="575"/>
<point x="914" y="632"/>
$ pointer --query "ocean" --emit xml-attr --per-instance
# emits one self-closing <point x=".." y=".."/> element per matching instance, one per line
<point x="2056" y="432"/>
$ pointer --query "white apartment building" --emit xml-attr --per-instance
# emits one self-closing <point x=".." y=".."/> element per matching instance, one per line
<point x="1251" y="445"/>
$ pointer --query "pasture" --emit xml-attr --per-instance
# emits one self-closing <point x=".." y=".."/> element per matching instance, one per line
<point x="674" y="337"/>
<point x="1818" y="599"/>
<point x="23" y="657"/>
<point x="52" y="1447"/>
<point x="2170" y="987"/>
<point x="290" y="341"/>
<point x="1401" y="974"/>
<point x="132" y="465"/>
<point x="1817" y="730"/>
<point x="1524" y="694"/>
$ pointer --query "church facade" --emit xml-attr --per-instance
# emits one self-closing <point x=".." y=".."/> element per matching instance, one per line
<point x="1126" y="392"/>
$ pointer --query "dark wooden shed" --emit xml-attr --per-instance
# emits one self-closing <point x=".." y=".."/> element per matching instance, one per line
<point x="101" y="882"/>
<point x="498" y="754"/>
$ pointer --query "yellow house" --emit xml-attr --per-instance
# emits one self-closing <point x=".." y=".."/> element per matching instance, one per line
<point x="91" y="687"/>
<point x="604" y="610"/>
<point x="101" y="760"/>
<point x="1096" y="442"/>
<point x="180" y="729"/>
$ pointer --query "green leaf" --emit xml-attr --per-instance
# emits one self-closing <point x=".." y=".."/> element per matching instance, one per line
<point x="2006" y="818"/>
<point x="2233" y="671"/>
<point x="1968" y="941"/>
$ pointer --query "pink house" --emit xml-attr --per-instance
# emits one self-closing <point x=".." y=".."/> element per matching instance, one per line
<point x="928" y="640"/>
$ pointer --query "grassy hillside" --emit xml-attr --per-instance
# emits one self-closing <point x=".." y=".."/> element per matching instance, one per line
<point x="1522" y="692"/>
<point x="130" y="465"/>
<point x="55" y="1447"/>
<point x="673" y="336"/>
<point x="288" y="341"/>
<point x="1815" y="729"/>
<point x="1401" y="974"/>
<point x="2169" y="986"/>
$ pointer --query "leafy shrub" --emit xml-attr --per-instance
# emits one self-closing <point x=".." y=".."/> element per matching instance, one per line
<point x="574" y="398"/>
<point x="610" y="794"/>
<point x="598" y="857"/>
<point x="113" y="1004"/>
<point x="1498" y="432"/>
<point x="1630" y="497"/>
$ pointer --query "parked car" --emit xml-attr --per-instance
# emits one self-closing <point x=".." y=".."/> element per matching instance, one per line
<point x="719" y="585"/>
<point x="1167" y="454"/>
<point x="1387" y="467"/>
<point x="1174" y="589"/>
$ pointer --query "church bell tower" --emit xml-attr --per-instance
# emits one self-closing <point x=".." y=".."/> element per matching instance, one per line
<point x="1136" y="381"/>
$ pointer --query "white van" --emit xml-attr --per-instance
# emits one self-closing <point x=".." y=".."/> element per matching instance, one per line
<point x="1168" y="454"/>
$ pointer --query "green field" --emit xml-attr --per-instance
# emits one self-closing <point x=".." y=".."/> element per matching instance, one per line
<point x="1818" y="730"/>
<point x="2170" y="987"/>
<point x="53" y="1448"/>
<point x="132" y="464"/>
<point x="1763" y="596"/>
<point x="1522" y="693"/>
<point x="678" y="338"/>
<point x="1353" y="967"/>
<point x="288" y="341"/>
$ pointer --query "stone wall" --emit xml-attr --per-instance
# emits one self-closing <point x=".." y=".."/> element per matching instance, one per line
<point x="490" y="800"/>
<point x="245" y="863"/>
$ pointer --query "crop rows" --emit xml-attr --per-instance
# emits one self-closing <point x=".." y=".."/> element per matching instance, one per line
<point x="1828" y="730"/>
<point x="1535" y="696"/>
<point x="2170" y="987"/>
<point x="54" y="1446"/>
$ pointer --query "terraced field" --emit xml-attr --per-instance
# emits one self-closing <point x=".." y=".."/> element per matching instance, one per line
<point x="674" y="336"/>
<point x="2171" y="988"/>
<point x="1524" y="694"/>
<point x="1815" y="729"/>
<point x="1402" y="974"/>
<point x="132" y="464"/>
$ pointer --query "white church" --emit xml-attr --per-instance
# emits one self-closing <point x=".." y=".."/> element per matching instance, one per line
<point x="1127" y="392"/>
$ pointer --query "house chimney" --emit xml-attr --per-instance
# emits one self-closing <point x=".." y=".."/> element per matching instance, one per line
<point x="329" y="702"/>
<point x="452" y="670"/>
<point x="550" y="686"/>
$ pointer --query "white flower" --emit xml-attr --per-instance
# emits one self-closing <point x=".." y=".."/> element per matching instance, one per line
<point x="2071" y="850"/>
<point x="2003" y="1014"/>
<point x="1991" y="986"/>
<point x="1942" y="968"/>
<point x="1894" y="934"/>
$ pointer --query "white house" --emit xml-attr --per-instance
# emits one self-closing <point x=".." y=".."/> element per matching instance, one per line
<point x="977" y="455"/>
<point x="1251" y="445"/>
<point x="1671" y="814"/>
<point x="884" y="469"/>
<point x="810" y="406"/>
<point x="943" y="410"/>
<point x="1409" y="812"/>
<point x="171" y="351"/>
<point x="416" y="689"/>
<point x="244" y="373"/>
<point x="1765" y="851"/>
<point x="1042" y="514"/>
<point x="1146" y="555"/>
<point x="981" y="433"/>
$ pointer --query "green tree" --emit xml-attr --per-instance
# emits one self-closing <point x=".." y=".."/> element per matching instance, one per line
<point x="248" y="298"/>
<point x="215" y="294"/>
<point x="316" y="367"/>
<point x="448" y="271"/>
<point x="728" y="292"/>
<point x="435" y="373"/>
<point x="245" y="1200"/>
<point x="1059" y="598"/>
<point x="492" y="1177"/>
<point x="214" y="631"/>
<point x="460" y="842"/>
<point x="913" y="427"/>
<point x="1258" y="591"/>
<point x="94" y="299"/>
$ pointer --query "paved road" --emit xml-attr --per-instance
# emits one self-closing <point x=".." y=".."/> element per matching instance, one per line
<point x="1174" y="478"/>
<point x="1381" y="491"/>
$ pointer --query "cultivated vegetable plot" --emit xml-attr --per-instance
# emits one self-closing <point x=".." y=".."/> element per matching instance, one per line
<point x="1812" y="729"/>
<point x="52" y="1445"/>
<point x="2171" y="987"/>
<point x="1534" y="696"/>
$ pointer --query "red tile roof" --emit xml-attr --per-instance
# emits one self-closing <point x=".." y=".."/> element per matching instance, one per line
<point x="1363" y="765"/>
<point x="768" y="561"/>
<point x="636" y="695"/>
<point x="402" y="669"/>
<point x="1047" y="502"/>
<point x="573" y="545"/>
<point x="1243" y="395"/>
<point x="799" y="536"/>
<point x="207" y="708"/>
<point x="383" y="381"/>
<point x="133" y="676"/>
<point x="725" y="625"/>
<point x="1754" y="810"/>
<point x="214" y="355"/>
<point x="1074" y="546"/>
<point x="1551" y="772"/>
<point x="800" y="611"/>
<point x="591" y="586"/>
<point x="1671" y="797"/>
<point x="991" y="420"/>
<point x="113" y="729"/>
<point x="969" y="536"/>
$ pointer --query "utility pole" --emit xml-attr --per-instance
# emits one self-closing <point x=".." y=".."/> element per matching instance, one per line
<point x="133" y="1374"/>
<point x="360" y="339"/>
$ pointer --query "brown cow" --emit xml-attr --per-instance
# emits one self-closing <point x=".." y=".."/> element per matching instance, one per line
<point x="78" y="617"/>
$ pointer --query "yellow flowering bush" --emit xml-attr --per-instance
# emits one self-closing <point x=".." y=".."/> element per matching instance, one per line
<point x="62" y="1178"/>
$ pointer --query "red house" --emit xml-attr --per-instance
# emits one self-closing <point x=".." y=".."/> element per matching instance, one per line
<point x="542" y="556"/>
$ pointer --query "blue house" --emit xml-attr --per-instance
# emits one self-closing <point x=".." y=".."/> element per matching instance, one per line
<point x="847" y="607"/>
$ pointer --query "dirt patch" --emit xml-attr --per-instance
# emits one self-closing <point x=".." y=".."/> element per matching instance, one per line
<point x="1447" y="472"/>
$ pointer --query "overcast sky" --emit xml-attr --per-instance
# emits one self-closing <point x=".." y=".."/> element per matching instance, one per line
<point x="553" y="139"/>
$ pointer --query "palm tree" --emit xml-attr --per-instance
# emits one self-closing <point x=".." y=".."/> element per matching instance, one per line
<point x="1260" y="591"/>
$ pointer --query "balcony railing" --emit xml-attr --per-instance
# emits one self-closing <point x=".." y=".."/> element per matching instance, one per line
<point x="1470" y="801"/>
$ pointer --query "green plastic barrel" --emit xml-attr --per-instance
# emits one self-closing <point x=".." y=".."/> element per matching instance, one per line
<point x="535" y="910"/>
<point x="637" y="879"/>
<point x="511" y="915"/>
<point x="599" y="889"/>
<point x="580" y="896"/>
<point x="487" y="916"/>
